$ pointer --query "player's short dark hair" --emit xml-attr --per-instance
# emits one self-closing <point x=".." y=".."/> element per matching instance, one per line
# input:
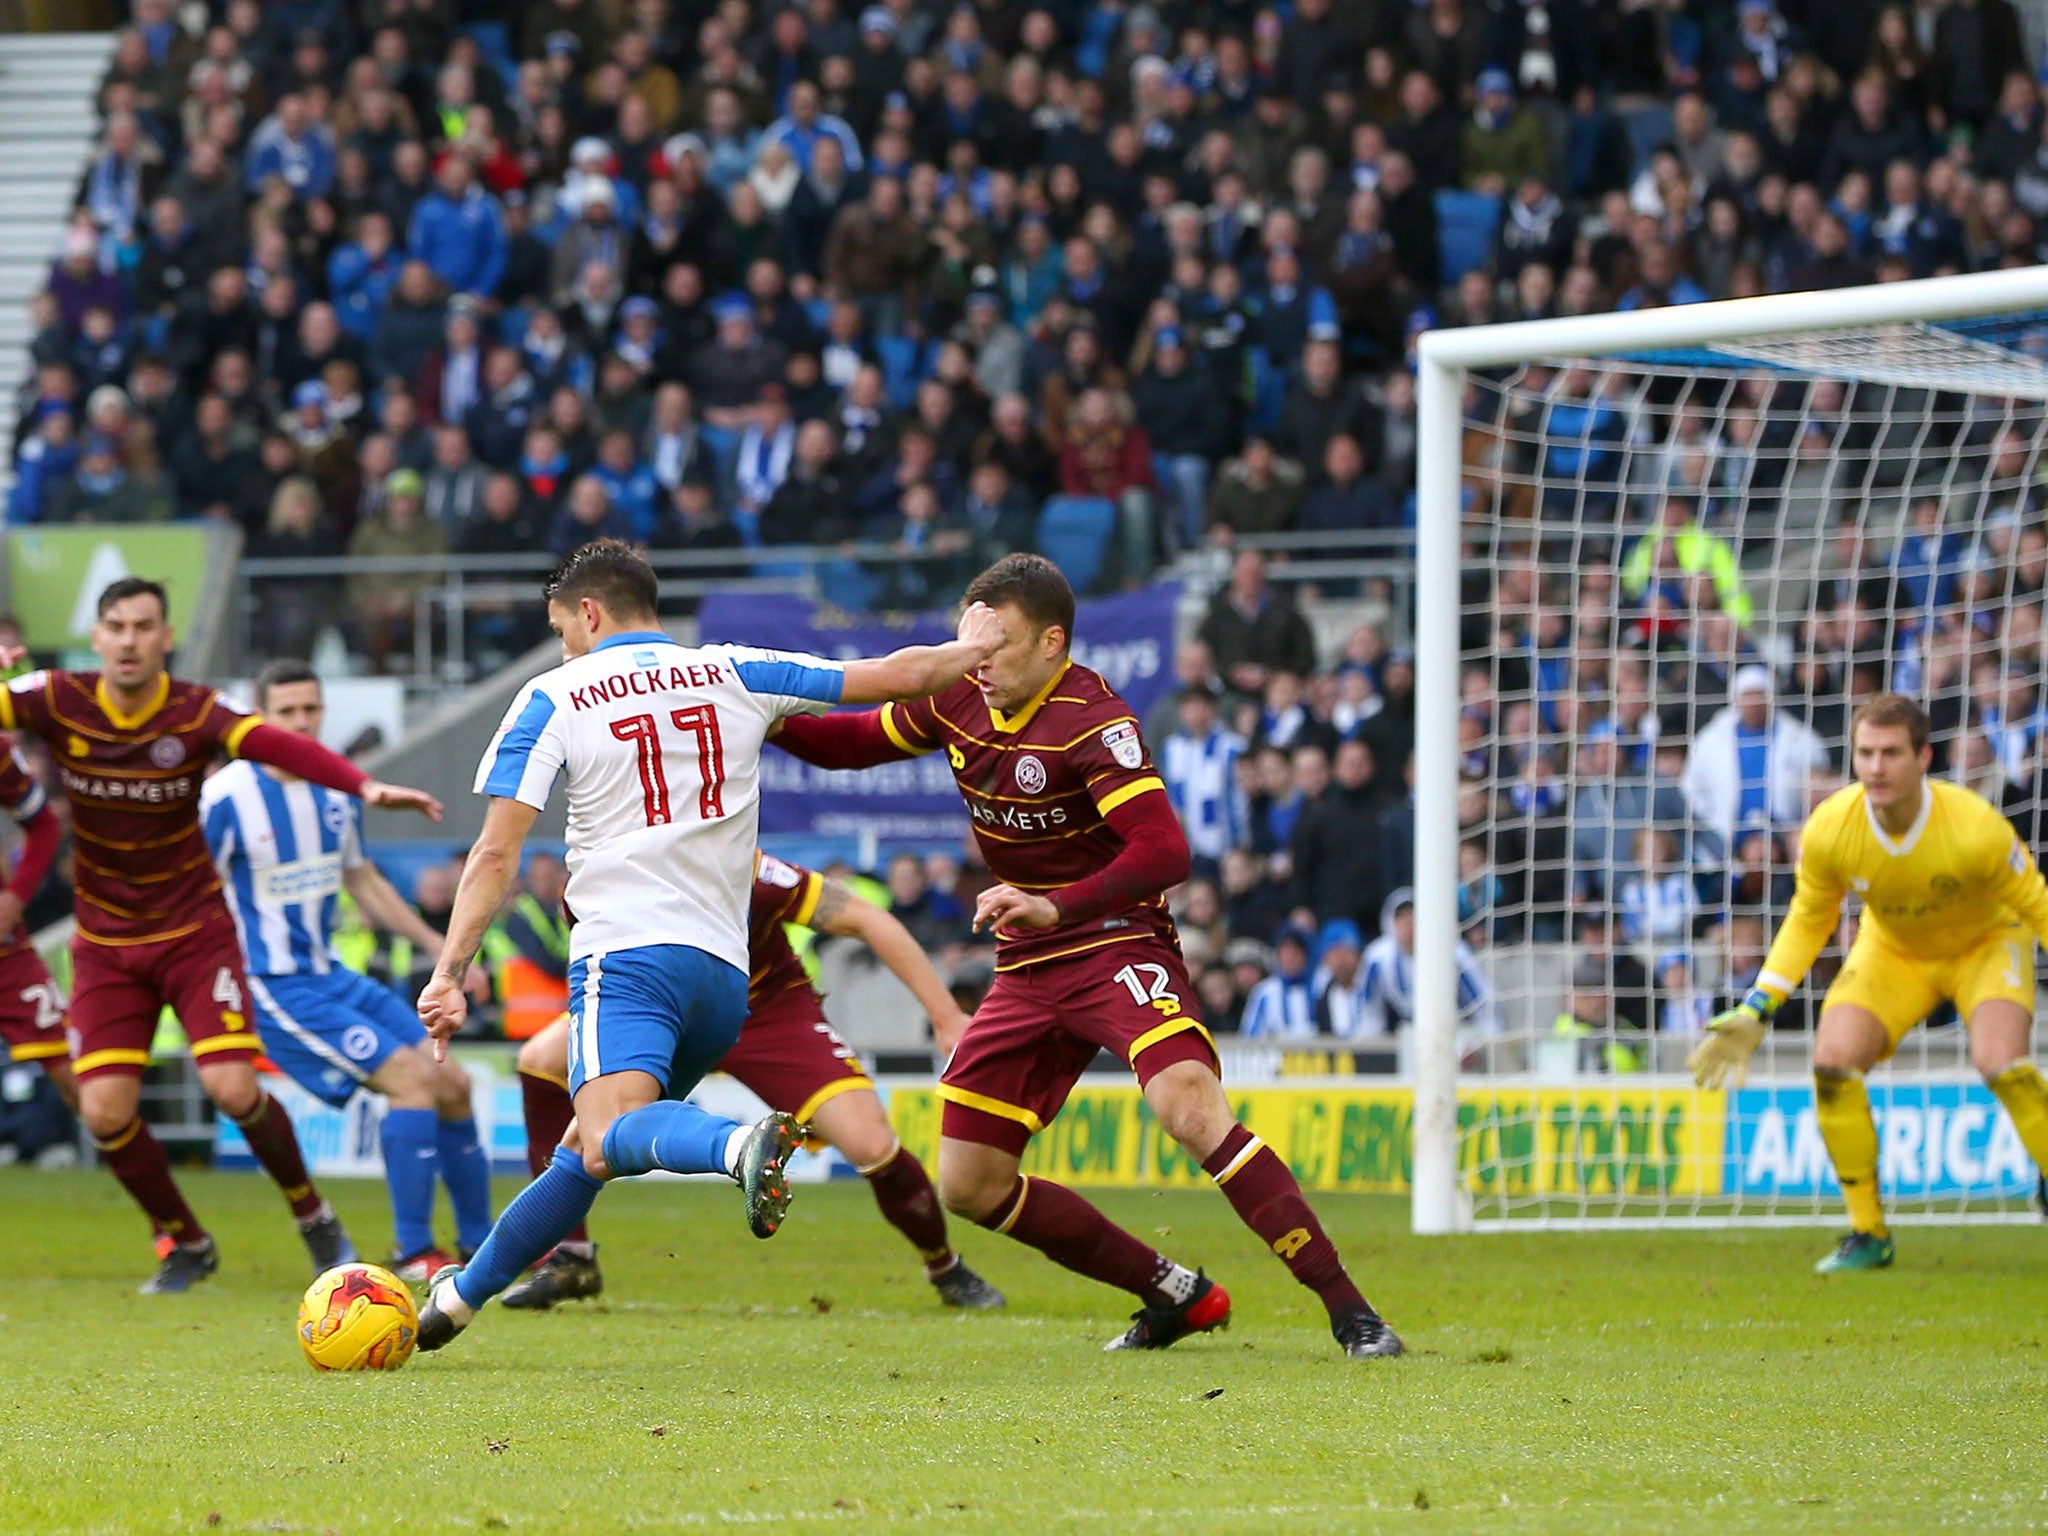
<point x="133" y="586"/>
<point x="1892" y="709"/>
<point x="282" y="673"/>
<point x="1034" y="584"/>
<point x="609" y="571"/>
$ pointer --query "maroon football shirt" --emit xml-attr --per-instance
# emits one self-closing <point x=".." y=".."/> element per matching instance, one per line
<point x="143" y="871"/>
<point x="21" y="796"/>
<point x="1038" y="785"/>
<point x="783" y="893"/>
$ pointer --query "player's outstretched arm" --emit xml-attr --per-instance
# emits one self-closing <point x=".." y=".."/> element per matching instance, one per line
<point x="1722" y="1057"/>
<point x="843" y="740"/>
<point x="842" y="913"/>
<point x="492" y="866"/>
<point x="41" y="834"/>
<point x="2015" y="879"/>
<point x="1154" y="859"/>
<point x="307" y="759"/>
<point x="917" y="671"/>
<point x="379" y="901"/>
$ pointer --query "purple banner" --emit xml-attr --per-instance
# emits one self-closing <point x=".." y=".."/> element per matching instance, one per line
<point x="1127" y="638"/>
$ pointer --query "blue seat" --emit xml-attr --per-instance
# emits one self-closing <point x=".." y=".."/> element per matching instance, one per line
<point x="848" y="584"/>
<point x="1465" y="226"/>
<point x="902" y="360"/>
<point x="1269" y="390"/>
<point x="1098" y="36"/>
<point x="494" y="42"/>
<point x="1074" y="533"/>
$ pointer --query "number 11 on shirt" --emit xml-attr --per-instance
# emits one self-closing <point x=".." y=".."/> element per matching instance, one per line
<point x="699" y="720"/>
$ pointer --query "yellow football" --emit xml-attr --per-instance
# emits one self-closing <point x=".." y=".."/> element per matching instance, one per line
<point x="357" y="1317"/>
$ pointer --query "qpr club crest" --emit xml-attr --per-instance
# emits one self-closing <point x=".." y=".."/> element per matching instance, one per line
<point x="1030" y="774"/>
<point x="167" y="752"/>
<point x="1123" y="743"/>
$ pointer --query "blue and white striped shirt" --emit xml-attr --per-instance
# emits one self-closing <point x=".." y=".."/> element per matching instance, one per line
<point x="281" y="850"/>
<point x="1201" y="782"/>
<point x="1386" y="997"/>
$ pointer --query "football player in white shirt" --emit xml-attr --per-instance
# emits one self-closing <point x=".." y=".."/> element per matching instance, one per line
<point x="660" y="745"/>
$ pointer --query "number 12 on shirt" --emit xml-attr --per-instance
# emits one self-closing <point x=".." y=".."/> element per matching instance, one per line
<point x="700" y="721"/>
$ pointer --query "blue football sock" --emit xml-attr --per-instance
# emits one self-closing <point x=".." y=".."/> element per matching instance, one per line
<point x="545" y="1212"/>
<point x="467" y="1173"/>
<point x="668" y="1134"/>
<point x="410" y="1158"/>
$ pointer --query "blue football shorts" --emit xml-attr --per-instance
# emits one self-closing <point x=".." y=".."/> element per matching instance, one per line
<point x="330" y="1034"/>
<point x="669" y="1010"/>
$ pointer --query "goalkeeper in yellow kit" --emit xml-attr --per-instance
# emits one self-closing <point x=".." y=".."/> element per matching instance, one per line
<point x="1952" y="904"/>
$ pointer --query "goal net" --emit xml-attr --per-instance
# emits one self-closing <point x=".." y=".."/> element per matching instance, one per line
<point x="1663" y="557"/>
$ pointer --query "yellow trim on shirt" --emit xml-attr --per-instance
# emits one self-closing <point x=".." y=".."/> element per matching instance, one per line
<point x="122" y="722"/>
<point x="901" y="741"/>
<point x="814" y="887"/>
<point x="234" y="738"/>
<point x="1130" y="791"/>
<point x="1010" y="725"/>
<point x="1127" y="937"/>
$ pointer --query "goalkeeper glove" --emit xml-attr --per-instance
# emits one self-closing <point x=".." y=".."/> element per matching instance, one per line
<point x="1732" y="1038"/>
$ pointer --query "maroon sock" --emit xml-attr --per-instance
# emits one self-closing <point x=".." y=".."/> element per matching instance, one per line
<point x="549" y="1110"/>
<point x="1072" y="1233"/>
<point x="136" y="1158"/>
<point x="275" y="1144"/>
<point x="904" y="1192"/>
<point x="1269" y="1201"/>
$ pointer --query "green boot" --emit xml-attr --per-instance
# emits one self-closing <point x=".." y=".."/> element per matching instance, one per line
<point x="1859" y="1250"/>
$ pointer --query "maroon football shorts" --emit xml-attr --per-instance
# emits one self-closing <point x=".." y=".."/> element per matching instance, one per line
<point x="791" y="1058"/>
<point x="31" y="1009"/>
<point x="118" y="990"/>
<point x="1041" y="1026"/>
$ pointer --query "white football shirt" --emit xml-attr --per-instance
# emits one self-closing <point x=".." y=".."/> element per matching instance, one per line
<point x="661" y="746"/>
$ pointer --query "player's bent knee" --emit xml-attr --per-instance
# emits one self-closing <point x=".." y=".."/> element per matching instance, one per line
<point x="105" y="1117"/>
<point x="970" y="1194"/>
<point x="593" y="1160"/>
<point x="1188" y="1101"/>
<point x="1994" y="1059"/>
<point x="970" y="1202"/>
<point x="545" y="1054"/>
<point x="451" y="1086"/>
<point x="233" y="1088"/>
<point x="406" y="1079"/>
<point x="856" y="1124"/>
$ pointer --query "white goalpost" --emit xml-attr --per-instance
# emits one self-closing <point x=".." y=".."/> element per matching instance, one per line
<point x="1620" y="518"/>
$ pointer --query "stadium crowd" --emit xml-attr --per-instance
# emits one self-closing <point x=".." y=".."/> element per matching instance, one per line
<point x="407" y="277"/>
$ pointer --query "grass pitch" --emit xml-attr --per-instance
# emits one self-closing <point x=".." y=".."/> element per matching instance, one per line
<point x="1631" y="1383"/>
